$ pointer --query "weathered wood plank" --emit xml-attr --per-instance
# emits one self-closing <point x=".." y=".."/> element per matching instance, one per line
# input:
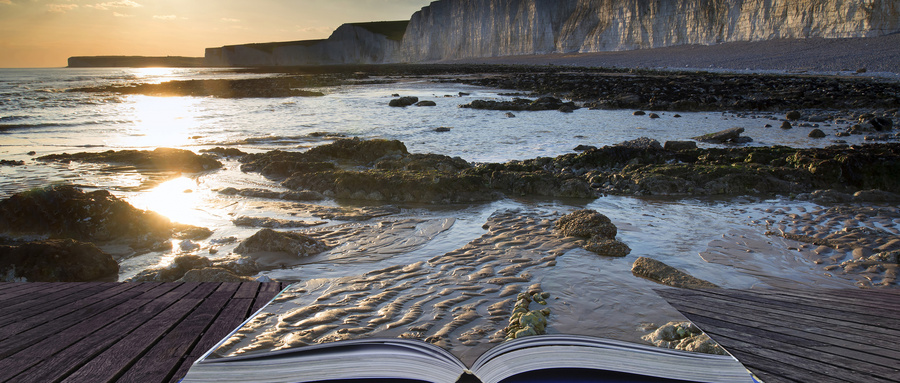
<point x="75" y="356"/>
<point x="36" y="327"/>
<point x="247" y="290"/>
<point x="760" y="306"/>
<point x="15" y="294"/>
<point x="772" y="338"/>
<point x="163" y="359"/>
<point x="114" y="361"/>
<point x="850" y="307"/>
<point x="234" y="313"/>
<point x="13" y="310"/>
<point x="800" y="358"/>
<point x="806" y="328"/>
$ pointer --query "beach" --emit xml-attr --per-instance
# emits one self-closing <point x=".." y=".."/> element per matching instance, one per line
<point x="428" y="221"/>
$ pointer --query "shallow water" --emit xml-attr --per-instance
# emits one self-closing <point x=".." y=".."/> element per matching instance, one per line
<point x="722" y="241"/>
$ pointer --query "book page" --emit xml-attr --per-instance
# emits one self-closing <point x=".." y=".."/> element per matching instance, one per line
<point x="462" y="300"/>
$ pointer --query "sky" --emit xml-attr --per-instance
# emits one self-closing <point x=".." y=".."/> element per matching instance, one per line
<point x="45" y="33"/>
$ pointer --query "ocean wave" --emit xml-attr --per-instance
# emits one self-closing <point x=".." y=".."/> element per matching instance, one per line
<point x="8" y="127"/>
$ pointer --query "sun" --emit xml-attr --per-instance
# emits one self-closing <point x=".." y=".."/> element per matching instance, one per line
<point x="162" y="121"/>
<point x="176" y="199"/>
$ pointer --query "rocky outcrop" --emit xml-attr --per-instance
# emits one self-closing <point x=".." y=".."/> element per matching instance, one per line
<point x="56" y="260"/>
<point x="597" y="228"/>
<point x="452" y="29"/>
<point x="356" y="43"/>
<point x="660" y="272"/>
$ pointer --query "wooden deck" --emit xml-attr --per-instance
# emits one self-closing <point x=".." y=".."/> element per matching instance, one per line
<point x="801" y="335"/>
<point x="123" y="332"/>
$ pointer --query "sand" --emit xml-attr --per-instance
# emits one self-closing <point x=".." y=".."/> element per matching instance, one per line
<point x="877" y="55"/>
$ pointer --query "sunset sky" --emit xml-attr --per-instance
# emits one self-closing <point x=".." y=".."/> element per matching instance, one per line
<point x="44" y="33"/>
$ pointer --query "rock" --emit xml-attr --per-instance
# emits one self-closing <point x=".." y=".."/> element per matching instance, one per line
<point x="638" y="113"/>
<point x="662" y="273"/>
<point x="224" y="152"/>
<point x="676" y="115"/>
<point x="292" y="195"/>
<point x="875" y="196"/>
<point x="64" y="211"/>
<point x="727" y="135"/>
<point x="519" y="104"/>
<point x="566" y="109"/>
<point x="862" y="70"/>
<point x="676" y="146"/>
<point x="653" y="115"/>
<point x="816" y="133"/>
<point x="683" y="336"/>
<point x="404" y="101"/>
<point x="273" y="223"/>
<point x="830" y="196"/>
<point x="586" y="223"/>
<point x="213" y="274"/>
<point x="882" y="124"/>
<point x="641" y="143"/>
<point x="11" y="163"/>
<point x="818" y="118"/>
<point x="793" y="115"/>
<point x="608" y="247"/>
<point x="268" y="240"/>
<point x="581" y="148"/>
<point x="426" y="103"/>
<point x="442" y="129"/>
<point x="510" y="115"/>
<point x="56" y="260"/>
<point x="786" y="125"/>
<point x="158" y="159"/>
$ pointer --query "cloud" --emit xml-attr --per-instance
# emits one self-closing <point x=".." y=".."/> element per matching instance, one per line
<point x="117" y="14"/>
<point x="228" y="20"/>
<point x="115" y="4"/>
<point x="61" y="8"/>
<point x="165" y="17"/>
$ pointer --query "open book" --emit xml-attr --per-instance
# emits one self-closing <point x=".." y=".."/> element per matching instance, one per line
<point x="473" y="313"/>
<point x="526" y="359"/>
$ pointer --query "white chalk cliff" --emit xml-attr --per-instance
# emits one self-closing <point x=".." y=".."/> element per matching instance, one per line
<point x="449" y="29"/>
<point x="358" y="43"/>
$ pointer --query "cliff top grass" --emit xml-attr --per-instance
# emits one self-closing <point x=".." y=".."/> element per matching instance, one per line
<point x="394" y="30"/>
<point x="270" y="47"/>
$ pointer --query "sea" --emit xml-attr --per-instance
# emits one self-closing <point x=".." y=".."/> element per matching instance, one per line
<point x="39" y="115"/>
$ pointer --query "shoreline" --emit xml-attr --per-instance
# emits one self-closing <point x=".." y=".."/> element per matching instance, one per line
<point x="880" y="56"/>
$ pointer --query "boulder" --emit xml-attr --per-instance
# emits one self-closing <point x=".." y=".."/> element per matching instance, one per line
<point x="638" y="113"/>
<point x="271" y="241"/>
<point x="793" y="115"/>
<point x="728" y="135"/>
<point x="64" y="211"/>
<point x="816" y="133"/>
<point x="403" y="101"/>
<point x="641" y="143"/>
<point x="653" y="115"/>
<point x="667" y="275"/>
<point x="608" y="247"/>
<point x="426" y="103"/>
<point x="56" y="260"/>
<point x="882" y="124"/>
<point x="586" y="223"/>
<point x="677" y="146"/>
<point x="158" y="159"/>
<point x="786" y="125"/>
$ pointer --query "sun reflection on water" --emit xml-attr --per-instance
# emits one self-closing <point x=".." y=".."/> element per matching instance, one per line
<point x="162" y="121"/>
<point x="176" y="199"/>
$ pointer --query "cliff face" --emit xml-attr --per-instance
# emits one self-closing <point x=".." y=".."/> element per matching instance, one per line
<point x="449" y="29"/>
<point x="360" y="43"/>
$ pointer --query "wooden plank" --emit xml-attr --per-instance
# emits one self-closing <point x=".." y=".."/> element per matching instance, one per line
<point x="801" y="327"/>
<point x="37" y="312"/>
<point x="247" y="290"/>
<point x="234" y="313"/>
<point x="761" y="306"/>
<point x="57" y="346"/>
<point x="861" y="304"/>
<point x="36" y="302"/>
<point x="266" y="293"/>
<point x="717" y="325"/>
<point x="161" y="362"/>
<point x="114" y="361"/>
<point x="35" y="328"/>
<point x="73" y="357"/>
<point x="19" y="290"/>
<point x="800" y="358"/>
